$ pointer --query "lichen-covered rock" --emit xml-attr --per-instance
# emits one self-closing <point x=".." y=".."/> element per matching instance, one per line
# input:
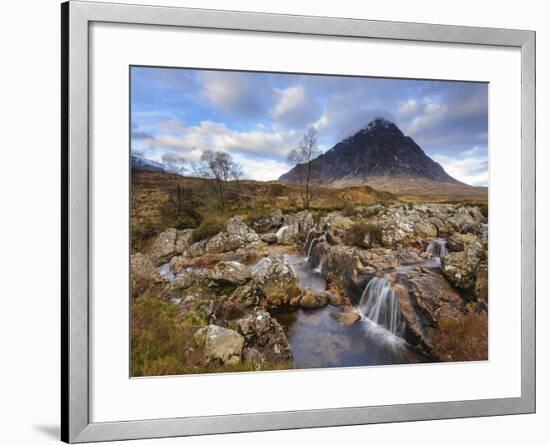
<point x="295" y="227"/>
<point x="312" y="300"/>
<point x="269" y="238"/>
<point x="460" y="268"/>
<point x="223" y="344"/>
<point x="462" y="221"/>
<point x="142" y="266"/>
<point x="425" y="298"/>
<point x="190" y="277"/>
<point x="265" y="339"/>
<point x="425" y="230"/>
<point x="235" y="235"/>
<point x="230" y="272"/>
<point x="458" y="241"/>
<point x="275" y="277"/>
<point x="335" y="220"/>
<point x="347" y="268"/>
<point x="346" y="317"/>
<point x="271" y="222"/>
<point x="169" y="243"/>
<point x="142" y="274"/>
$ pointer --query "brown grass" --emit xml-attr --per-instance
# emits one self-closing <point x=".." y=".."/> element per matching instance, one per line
<point x="464" y="339"/>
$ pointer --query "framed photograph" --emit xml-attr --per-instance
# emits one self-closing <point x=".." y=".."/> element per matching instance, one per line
<point x="276" y="222"/>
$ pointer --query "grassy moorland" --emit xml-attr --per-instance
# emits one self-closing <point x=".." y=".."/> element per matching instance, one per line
<point x="163" y="200"/>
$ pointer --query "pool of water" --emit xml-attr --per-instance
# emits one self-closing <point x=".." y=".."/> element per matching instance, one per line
<point x="320" y="339"/>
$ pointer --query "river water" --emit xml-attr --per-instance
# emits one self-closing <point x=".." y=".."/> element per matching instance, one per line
<point x="320" y="339"/>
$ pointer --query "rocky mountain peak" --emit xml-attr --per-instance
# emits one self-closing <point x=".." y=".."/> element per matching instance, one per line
<point x="380" y="149"/>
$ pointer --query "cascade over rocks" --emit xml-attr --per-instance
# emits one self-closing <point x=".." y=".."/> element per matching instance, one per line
<point x="295" y="227"/>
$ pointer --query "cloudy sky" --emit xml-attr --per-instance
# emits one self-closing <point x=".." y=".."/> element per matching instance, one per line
<point x="260" y="117"/>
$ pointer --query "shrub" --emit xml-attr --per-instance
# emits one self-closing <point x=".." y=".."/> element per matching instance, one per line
<point x="463" y="339"/>
<point x="209" y="227"/>
<point x="257" y="213"/>
<point x="348" y="209"/>
<point x="363" y="235"/>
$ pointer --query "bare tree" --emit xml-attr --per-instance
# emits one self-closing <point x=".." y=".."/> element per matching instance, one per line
<point x="303" y="156"/>
<point x="237" y="174"/>
<point x="217" y="165"/>
<point x="174" y="163"/>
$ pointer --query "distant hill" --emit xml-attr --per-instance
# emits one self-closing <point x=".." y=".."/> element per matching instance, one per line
<point x="380" y="155"/>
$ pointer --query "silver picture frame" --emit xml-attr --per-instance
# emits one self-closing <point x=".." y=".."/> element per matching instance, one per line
<point x="75" y="363"/>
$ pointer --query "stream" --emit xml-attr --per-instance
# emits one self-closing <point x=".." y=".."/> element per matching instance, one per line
<point x="319" y="338"/>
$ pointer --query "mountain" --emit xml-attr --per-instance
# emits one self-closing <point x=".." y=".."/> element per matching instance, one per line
<point x="380" y="155"/>
<point x="139" y="163"/>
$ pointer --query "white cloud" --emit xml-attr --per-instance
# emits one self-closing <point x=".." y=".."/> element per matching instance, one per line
<point x="296" y="108"/>
<point x="470" y="166"/>
<point x="407" y="108"/>
<point x="261" y="169"/>
<point x="188" y="142"/>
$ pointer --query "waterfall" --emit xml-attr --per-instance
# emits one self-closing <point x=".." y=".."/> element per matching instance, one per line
<point x="313" y="241"/>
<point x="281" y="232"/>
<point x="437" y="248"/>
<point x="319" y="268"/>
<point x="379" y="303"/>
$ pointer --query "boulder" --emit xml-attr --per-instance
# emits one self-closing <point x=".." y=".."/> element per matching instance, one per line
<point x="169" y="243"/>
<point x="458" y="241"/>
<point x="235" y="235"/>
<point x="190" y="277"/>
<point x="425" y="230"/>
<point x="142" y="266"/>
<point x="425" y="298"/>
<point x="269" y="223"/>
<point x="143" y="273"/>
<point x="460" y="268"/>
<point x="265" y="339"/>
<point x="346" y="317"/>
<point x="442" y="227"/>
<point x="369" y="211"/>
<point x="224" y="345"/>
<point x="276" y="279"/>
<point x="462" y="221"/>
<point x="229" y="272"/>
<point x="269" y="238"/>
<point x="335" y="220"/>
<point x="346" y="267"/>
<point x="295" y="227"/>
<point x="311" y="300"/>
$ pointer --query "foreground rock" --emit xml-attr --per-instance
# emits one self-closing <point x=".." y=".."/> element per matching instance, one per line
<point x="236" y="234"/>
<point x="461" y="268"/>
<point x="276" y="279"/>
<point x="295" y="227"/>
<point x="265" y="339"/>
<point x="425" y="299"/>
<point x="168" y="244"/>
<point x="224" y="345"/>
<point x="229" y="272"/>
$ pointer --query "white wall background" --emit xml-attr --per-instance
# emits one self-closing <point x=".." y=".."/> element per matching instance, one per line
<point x="29" y="221"/>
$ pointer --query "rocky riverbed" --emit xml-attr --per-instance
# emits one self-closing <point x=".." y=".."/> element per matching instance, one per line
<point x="382" y="284"/>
